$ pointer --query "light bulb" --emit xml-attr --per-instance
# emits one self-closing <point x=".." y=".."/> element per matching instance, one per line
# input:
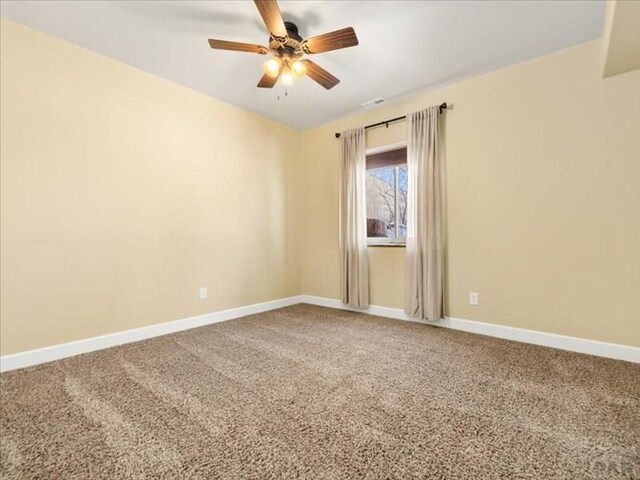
<point x="272" y="67"/>
<point x="287" y="77"/>
<point x="298" y="69"/>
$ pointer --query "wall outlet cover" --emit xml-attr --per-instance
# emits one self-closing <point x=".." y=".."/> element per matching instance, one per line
<point x="473" y="298"/>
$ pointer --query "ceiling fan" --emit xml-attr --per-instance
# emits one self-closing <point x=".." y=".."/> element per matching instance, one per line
<point x="288" y="48"/>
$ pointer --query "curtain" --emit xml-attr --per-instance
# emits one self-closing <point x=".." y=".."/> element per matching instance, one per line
<point x="425" y="217"/>
<point x="353" y="220"/>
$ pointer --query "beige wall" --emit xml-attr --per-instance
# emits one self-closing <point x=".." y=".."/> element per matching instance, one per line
<point x="122" y="193"/>
<point x="543" y="167"/>
<point x="621" y="37"/>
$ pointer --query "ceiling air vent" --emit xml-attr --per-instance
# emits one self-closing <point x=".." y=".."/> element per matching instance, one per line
<point x="373" y="103"/>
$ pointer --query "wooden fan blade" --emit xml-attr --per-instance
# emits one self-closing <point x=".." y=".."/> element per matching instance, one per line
<point x="270" y="13"/>
<point x="343" y="38"/>
<point x="320" y="75"/>
<point x="267" y="81"/>
<point x="238" y="47"/>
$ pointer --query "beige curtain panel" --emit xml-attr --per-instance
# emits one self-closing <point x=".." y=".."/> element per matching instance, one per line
<point x="353" y="220"/>
<point x="425" y="217"/>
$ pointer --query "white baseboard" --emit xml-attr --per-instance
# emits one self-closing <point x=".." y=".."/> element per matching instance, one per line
<point x="70" y="349"/>
<point x="562" y="342"/>
<point x="64" y="350"/>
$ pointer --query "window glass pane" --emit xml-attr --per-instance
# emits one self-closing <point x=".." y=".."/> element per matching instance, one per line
<point x="387" y="196"/>
<point x="402" y="201"/>
<point x="381" y="202"/>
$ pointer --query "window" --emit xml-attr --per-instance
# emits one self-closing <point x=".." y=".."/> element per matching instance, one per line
<point x="386" y="186"/>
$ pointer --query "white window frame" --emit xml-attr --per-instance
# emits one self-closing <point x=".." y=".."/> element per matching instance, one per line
<point x="384" y="241"/>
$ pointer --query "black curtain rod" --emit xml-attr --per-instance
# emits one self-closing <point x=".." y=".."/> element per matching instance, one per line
<point x="441" y="107"/>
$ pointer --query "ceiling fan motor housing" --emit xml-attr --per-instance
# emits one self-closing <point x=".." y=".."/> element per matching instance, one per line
<point x="291" y="47"/>
<point x="292" y="30"/>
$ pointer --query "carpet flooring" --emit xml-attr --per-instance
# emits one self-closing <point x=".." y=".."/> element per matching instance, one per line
<point x="311" y="392"/>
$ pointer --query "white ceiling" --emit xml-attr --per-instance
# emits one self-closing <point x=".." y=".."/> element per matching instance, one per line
<point x="404" y="46"/>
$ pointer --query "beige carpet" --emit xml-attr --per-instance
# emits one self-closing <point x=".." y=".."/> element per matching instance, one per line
<point x="309" y="392"/>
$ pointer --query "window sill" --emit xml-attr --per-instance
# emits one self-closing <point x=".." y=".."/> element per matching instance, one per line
<point x="386" y="244"/>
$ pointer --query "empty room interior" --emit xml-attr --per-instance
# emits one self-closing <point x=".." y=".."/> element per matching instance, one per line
<point x="320" y="239"/>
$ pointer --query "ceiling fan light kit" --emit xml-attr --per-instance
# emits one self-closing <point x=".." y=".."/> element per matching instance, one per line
<point x="286" y="68"/>
<point x="288" y="48"/>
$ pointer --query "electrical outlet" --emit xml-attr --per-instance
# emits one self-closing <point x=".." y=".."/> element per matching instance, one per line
<point x="203" y="293"/>
<point x="473" y="298"/>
